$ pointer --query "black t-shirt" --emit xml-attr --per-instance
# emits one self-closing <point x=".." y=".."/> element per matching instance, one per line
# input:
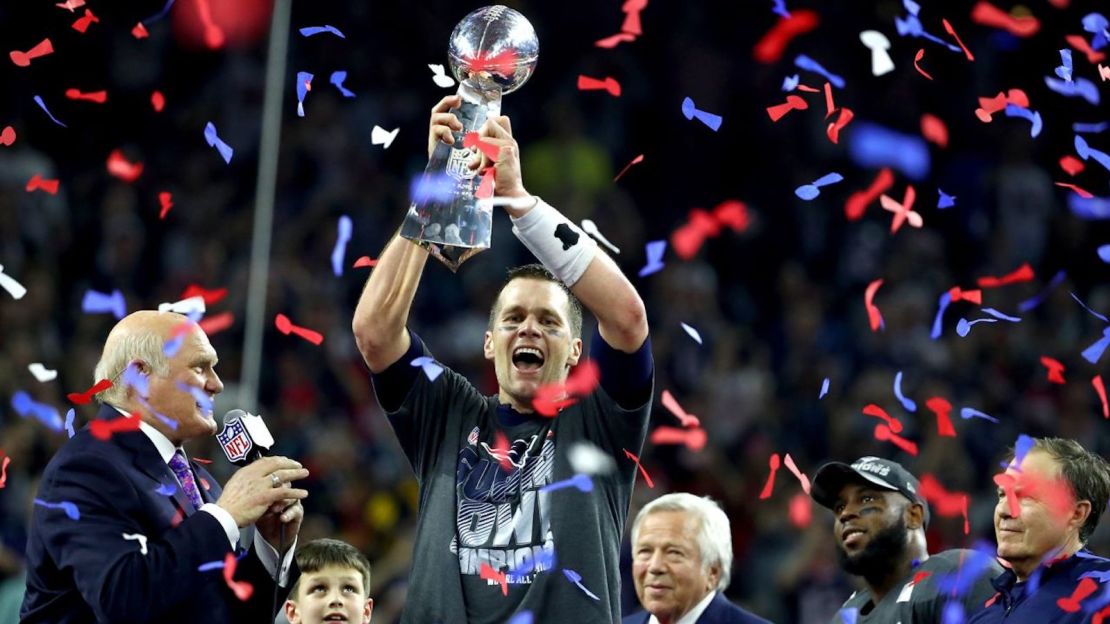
<point x="481" y="505"/>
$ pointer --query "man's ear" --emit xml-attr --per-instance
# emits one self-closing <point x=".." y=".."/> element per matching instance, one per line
<point x="714" y="576"/>
<point x="367" y="611"/>
<point x="487" y="345"/>
<point x="575" y="351"/>
<point x="914" y="515"/>
<point x="1079" y="514"/>
<point x="291" y="612"/>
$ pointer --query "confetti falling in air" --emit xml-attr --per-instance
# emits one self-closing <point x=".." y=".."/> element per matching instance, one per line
<point x="591" y="228"/>
<point x="875" y="318"/>
<point x="440" y="78"/>
<point x="1055" y="369"/>
<point x="908" y="404"/>
<point x="524" y="617"/>
<point x="580" y="482"/>
<point x="383" y="137"/>
<point x="364" y="262"/>
<point x="285" y="326"/>
<point x="337" y="79"/>
<point x="98" y="97"/>
<point x="38" y="183"/>
<point x="41" y="373"/>
<point x="803" y="480"/>
<point x="811" y="191"/>
<point x="83" y="398"/>
<point x="4" y="472"/>
<point x="768" y="488"/>
<point x="635" y="161"/>
<point x="634" y="458"/>
<point x="945" y="200"/>
<point x="858" y="201"/>
<point x="916" y="63"/>
<point x="934" y="130"/>
<point x="881" y="63"/>
<point x="11" y="285"/>
<point x="214" y="140"/>
<point x="7" y="136"/>
<point x="138" y="537"/>
<point x="690" y="111"/>
<point x="849" y="616"/>
<point x="586" y="458"/>
<point x="687" y="419"/>
<point x="1100" y="389"/>
<point x="431" y="369"/>
<point x="952" y="31"/>
<point x="309" y="31"/>
<point x="121" y="168"/>
<point x="943" y="410"/>
<point x="986" y="14"/>
<point x="70" y="416"/>
<point x="1033" y="117"/>
<point x="693" y="439"/>
<point x="654" y="251"/>
<point x="104" y="429"/>
<point x="42" y="105"/>
<point x="873" y="146"/>
<point x="343" y="237"/>
<point x="824" y="389"/>
<point x="82" y="24"/>
<point x="23" y="59"/>
<point x="69" y="508"/>
<point x="969" y="412"/>
<point x="551" y="398"/>
<point x="772" y="45"/>
<point x="304" y="85"/>
<point x="693" y="333"/>
<point x="95" y="302"/>
<point x="607" y="84"/>
<point x="26" y="407"/>
<point x="884" y="434"/>
<point x="792" y="103"/>
<point x="242" y="589"/>
<point x="806" y="63"/>
<point x="165" y="489"/>
<point x="576" y="578"/>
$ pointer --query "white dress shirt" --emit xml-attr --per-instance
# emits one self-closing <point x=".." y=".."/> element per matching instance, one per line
<point x="266" y="553"/>
<point x="692" y="615"/>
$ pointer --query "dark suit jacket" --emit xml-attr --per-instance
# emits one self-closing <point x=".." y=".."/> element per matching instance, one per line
<point x="84" y="570"/>
<point x="719" y="611"/>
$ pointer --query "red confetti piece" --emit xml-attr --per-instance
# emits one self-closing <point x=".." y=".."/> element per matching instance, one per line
<point x="1101" y="616"/>
<point x="614" y="40"/>
<point x="769" y="486"/>
<point x="694" y="439"/>
<point x="103" y="429"/>
<point x="157" y="101"/>
<point x="958" y="294"/>
<point x="808" y="89"/>
<point x="551" y="398"/>
<point x="874" y="410"/>
<point x="801" y="510"/>
<point x="23" y="59"/>
<point x="363" y="262"/>
<point x="472" y="140"/>
<point x="802" y="478"/>
<point x="732" y="213"/>
<point x="1085" y="588"/>
<point x="952" y="31"/>
<point x="139" y="31"/>
<point x="216" y="323"/>
<point x="202" y="461"/>
<point x="830" y="106"/>
<point x="204" y="484"/>
<point x="934" y="130"/>
<point x="635" y="161"/>
<point x="166" y="200"/>
<point x="37" y="183"/>
<point x="501" y="63"/>
<point x="903" y="212"/>
<point x="793" y="102"/>
<point x="986" y="14"/>
<point x="917" y="59"/>
<point x="500" y="451"/>
<point x="7" y="136"/>
<point x="647" y="477"/>
<point x="123" y="169"/>
<point x="213" y="35"/>
<point x="884" y="434"/>
<point x="485" y="187"/>
<point x="178" y="516"/>
<point x="632" y="9"/>
<point x="944" y="503"/>
<point x="99" y="97"/>
<point x="687" y="420"/>
<point x="920" y="576"/>
<point x="285" y="326"/>
<point x="82" y="24"/>
<point x="487" y="573"/>
<point x="242" y="589"/>
<point x="1072" y="165"/>
<point x="943" y="409"/>
<point x="586" y="83"/>
<point x="1080" y="43"/>
<point x="70" y="5"/>
<point x="857" y="202"/>
<point x="771" y="46"/>
<point x="990" y="106"/>
<point x="4" y="472"/>
<point x="1096" y="381"/>
<point x="874" y="316"/>
<point x="82" y="398"/>
<point x="833" y="131"/>
<point x="688" y="239"/>
<point x="1082" y="192"/>
<point x="1024" y="273"/>
<point x="1055" y="369"/>
<point x="211" y="297"/>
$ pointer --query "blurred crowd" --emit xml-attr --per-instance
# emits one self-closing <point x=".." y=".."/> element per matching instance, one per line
<point x="779" y="307"/>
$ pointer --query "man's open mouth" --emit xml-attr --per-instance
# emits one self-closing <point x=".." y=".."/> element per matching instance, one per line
<point x="527" y="359"/>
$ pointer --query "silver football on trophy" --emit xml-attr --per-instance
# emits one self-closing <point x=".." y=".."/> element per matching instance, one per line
<point x="494" y="46"/>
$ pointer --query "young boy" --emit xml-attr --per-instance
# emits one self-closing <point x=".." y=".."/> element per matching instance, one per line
<point x="334" y="585"/>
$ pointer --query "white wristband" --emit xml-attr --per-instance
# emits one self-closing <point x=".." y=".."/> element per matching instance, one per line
<point x="560" y="245"/>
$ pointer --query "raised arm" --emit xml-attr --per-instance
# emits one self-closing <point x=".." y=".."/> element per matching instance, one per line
<point x="567" y="251"/>
<point x="383" y="308"/>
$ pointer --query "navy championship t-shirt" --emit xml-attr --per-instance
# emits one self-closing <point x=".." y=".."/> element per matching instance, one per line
<point x="490" y="543"/>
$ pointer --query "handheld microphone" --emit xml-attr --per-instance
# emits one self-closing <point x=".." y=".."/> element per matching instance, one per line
<point x="244" y="438"/>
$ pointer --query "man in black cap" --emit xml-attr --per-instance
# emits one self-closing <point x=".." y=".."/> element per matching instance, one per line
<point x="879" y="528"/>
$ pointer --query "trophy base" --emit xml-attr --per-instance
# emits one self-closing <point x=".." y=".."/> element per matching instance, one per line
<point x="452" y="257"/>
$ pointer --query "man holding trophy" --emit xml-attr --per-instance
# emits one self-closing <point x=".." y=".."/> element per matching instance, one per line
<point x="505" y="525"/>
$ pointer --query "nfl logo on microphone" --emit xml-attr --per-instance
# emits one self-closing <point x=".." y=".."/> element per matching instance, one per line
<point x="235" y="440"/>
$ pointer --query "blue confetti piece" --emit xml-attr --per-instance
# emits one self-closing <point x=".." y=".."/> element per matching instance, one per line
<point x="165" y="489"/>
<point x="999" y="315"/>
<point x="95" y="302"/>
<point x="812" y="190"/>
<point x="953" y="613"/>
<point x="432" y="187"/>
<point x="42" y="105"/>
<point x="1089" y="209"/>
<point x="214" y="140"/>
<point x="780" y="8"/>
<point x="211" y="565"/>
<point x="1087" y="152"/>
<point x="945" y="200"/>
<point x="524" y="617"/>
<point x="692" y="332"/>
<point x="25" y="406"/>
<point x="938" y="321"/>
<point x="654" y="250"/>
<point x="824" y="389"/>
<point x="1102" y="576"/>
<point x="808" y="64"/>
<point x="1079" y="87"/>
<point x="963" y="327"/>
<point x="906" y="403"/>
<point x="849" y="616"/>
<point x="1033" y="117"/>
<point x="968" y="412"/>
<point x="911" y="27"/>
<point x="69" y="508"/>
<point x="172" y="346"/>
<point x="1096" y="24"/>
<point x="1021" y="448"/>
<point x="690" y="111"/>
<point x="1037" y="299"/>
<point x="309" y="31"/>
<point x="1088" y="309"/>
<point x="429" y="365"/>
<point x="337" y="79"/>
<point x="304" y="83"/>
<point x="580" y="481"/>
<point x="790" y="83"/>
<point x="544" y="560"/>
<point x="341" y="240"/>
<point x="199" y="395"/>
<point x="1090" y="128"/>
<point x="1094" y="352"/>
<point x="576" y="578"/>
<point x="70" y="415"/>
<point x="1064" y="71"/>
<point x="133" y="378"/>
<point x="872" y="146"/>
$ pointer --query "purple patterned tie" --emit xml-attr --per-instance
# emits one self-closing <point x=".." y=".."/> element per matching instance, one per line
<point x="180" y="468"/>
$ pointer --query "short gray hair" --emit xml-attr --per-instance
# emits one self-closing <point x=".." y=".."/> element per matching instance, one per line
<point x="118" y="354"/>
<point x="714" y="532"/>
